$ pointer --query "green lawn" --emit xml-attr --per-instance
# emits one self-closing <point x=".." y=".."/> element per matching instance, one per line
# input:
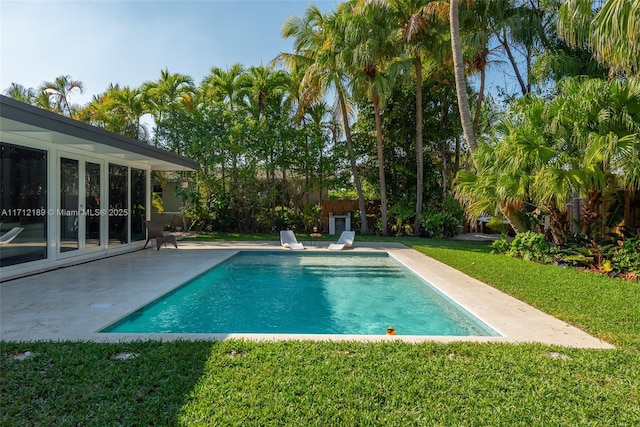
<point x="330" y="384"/>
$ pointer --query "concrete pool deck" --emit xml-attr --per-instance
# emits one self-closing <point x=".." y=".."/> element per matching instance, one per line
<point x="75" y="302"/>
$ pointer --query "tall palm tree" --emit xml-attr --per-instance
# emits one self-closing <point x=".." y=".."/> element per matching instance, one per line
<point x="318" y="40"/>
<point x="118" y="110"/>
<point x="59" y="92"/>
<point x="458" y="69"/>
<point x="269" y="103"/>
<point x="527" y="28"/>
<point x="371" y="45"/>
<point x="98" y="112"/>
<point x="612" y="32"/>
<point x="419" y="35"/>
<point x="229" y="88"/>
<point x="318" y="121"/>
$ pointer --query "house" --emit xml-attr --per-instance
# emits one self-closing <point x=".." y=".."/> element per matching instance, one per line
<point x="77" y="191"/>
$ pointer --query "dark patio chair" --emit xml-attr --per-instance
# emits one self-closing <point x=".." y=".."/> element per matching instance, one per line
<point x="155" y="231"/>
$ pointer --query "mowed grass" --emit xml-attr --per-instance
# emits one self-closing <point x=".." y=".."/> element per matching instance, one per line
<point x="302" y="383"/>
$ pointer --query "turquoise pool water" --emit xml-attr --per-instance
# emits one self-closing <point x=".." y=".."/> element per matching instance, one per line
<point x="304" y="293"/>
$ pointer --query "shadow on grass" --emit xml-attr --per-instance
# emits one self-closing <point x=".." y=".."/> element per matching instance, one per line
<point x="84" y="383"/>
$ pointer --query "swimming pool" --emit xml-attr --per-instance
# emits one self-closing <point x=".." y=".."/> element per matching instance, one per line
<point x="304" y="293"/>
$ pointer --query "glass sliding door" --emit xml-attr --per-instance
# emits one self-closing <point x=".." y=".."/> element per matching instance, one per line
<point x="118" y="205"/>
<point x="69" y="213"/>
<point x="93" y="214"/>
<point x="23" y="204"/>
<point x="138" y="204"/>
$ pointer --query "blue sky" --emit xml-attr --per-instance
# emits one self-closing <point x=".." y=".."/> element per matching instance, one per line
<point x="131" y="41"/>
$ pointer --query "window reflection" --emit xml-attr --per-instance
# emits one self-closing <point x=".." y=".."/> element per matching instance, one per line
<point x="118" y="206"/>
<point x="69" y="204"/>
<point x="92" y="205"/>
<point x="138" y="203"/>
<point x="23" y="204"/>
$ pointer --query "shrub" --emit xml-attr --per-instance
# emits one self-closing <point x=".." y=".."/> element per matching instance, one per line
<point x="531" y="246"/>
<point x="441" y="221"/>
<point x="624" y="253"/>
<point x="400" y="218"/>
<point x="501" y="245"/>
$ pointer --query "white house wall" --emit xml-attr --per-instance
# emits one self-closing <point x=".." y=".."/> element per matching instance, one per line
<point x="55" y="258"/>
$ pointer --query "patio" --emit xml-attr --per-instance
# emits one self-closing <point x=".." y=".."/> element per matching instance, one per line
<point x="75" y="302"/>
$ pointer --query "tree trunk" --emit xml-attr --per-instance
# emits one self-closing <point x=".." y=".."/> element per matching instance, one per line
<point x="419" y="148"/>
<point x="575" y="225"/>
<point x="523" y="87"/>
<point x="514" y="220"/>
<point x="476" y="118"/>
<point x="461" y="84"/>
<point x="457" y="155"/>
<point x="352" y="159"/>
<point x="558" y="225"/>
<point x="591" y="212"/>
<point x="383" y="186"/>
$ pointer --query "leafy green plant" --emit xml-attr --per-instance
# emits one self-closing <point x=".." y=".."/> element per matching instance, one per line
<point x="441" y="221"/>
<point x="401" y="216"/>
<point x="501" y="245"/>
<point x="615" y="254"/>
<point x="156" y="201"/>
<point x="204" y="213"/>
<point x="312" y="214"/>
<point x="284" y="217"/>
<point x="624" y="254"/>
<point x="531" y="246"/>
<point x="497" y="223"/>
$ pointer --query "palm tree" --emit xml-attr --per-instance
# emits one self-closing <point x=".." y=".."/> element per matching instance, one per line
<point x="499" y="184"/>
<point x="59" y="92"/>
<point x="458" y="69"/>
<point x="130" y="103"/>
<point x="604" y="122"/>
<point x="118" y="110"/>
<point x="318" y="40"/>
<point x="227" y="86"/>
<point x="317" y="121"/>
<point x="265" y="85"/>
<point x="167" y="94"/>
<point x="370" y="48"/>
<point x="419" y="35"/>
<point x="21" y="93"/>
<point x="269" y="104"/>
<point x="612" y="32"/>
<point x="583" y="142"/>
<point x="98" y="113"/>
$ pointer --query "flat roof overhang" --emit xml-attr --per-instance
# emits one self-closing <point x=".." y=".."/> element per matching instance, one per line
<point x="25" y="122"/>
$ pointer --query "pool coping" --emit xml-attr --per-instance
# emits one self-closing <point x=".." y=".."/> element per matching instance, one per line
<point x="74" y="303"/>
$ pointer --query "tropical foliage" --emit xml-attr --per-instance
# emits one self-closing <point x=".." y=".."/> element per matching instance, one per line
<point x="413" y="122"/>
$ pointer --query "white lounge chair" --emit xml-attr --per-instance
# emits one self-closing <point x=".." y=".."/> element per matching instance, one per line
<point x="288" y="240"/>
<point x="10" y="235"/>
<point x="345" y="241"/>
